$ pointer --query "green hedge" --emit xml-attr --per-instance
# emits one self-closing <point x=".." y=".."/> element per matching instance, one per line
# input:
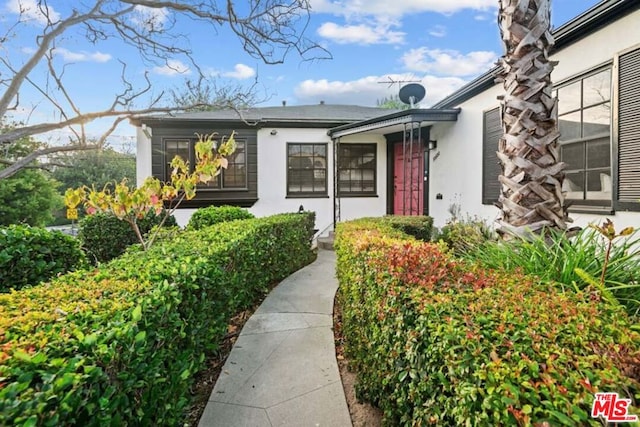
<point x="30" y="255"/>
<point x="437" y="341"/>
<point x="211" y="215"/>
<point x="420" y="227"/>
<point x="120" y="345"/>
<point x="105" y="237"/>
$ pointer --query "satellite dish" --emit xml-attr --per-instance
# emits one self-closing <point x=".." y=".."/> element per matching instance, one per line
<point x="412" y="93"/>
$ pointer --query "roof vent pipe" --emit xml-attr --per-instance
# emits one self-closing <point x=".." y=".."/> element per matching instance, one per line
<point x="284" y="103"/>
<point x="321" y="102"/>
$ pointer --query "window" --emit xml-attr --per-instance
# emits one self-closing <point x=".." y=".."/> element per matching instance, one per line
<point x="584" y="113"/>
<point x="233" y="177"/>
<point x="357" y="169"/>
<point x="491" y="169"/>
<point x="306" y="169"/>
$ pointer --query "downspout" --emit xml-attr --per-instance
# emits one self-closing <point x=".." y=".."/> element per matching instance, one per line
<point x="336" y="197"/>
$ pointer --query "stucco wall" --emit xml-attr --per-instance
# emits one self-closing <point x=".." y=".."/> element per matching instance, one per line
<point x="456" y="166"/>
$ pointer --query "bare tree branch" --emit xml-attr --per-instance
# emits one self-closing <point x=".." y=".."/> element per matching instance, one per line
<point x="268" y="29"/>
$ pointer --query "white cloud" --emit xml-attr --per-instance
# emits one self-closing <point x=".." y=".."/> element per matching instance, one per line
<point x="151" y="18"/>
<point x="438" y="31"/>
<point x="397" y="8"/>
<point x="240" y="72"/>
<point x="481" y="17"/>
<point x="367" y="90"/>
<point x="448" y="62"/>
<point x="32" y="11"/>
<point x="173" y="67"/>
<point x="70" y="56"/>
<point x="361" y="34"/>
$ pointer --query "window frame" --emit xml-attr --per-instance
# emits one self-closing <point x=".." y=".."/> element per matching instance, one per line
<point x="220" y="178"/>
<point x="308" y="194"/>
<point x="577" y="204"/>
<point x="371" y="193"/>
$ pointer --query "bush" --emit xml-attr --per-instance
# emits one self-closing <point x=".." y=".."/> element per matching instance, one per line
<point x="464" y="236"/>
<point x="30" y="255"/>
<point x="440" y="341"/>
<point x="120" y="345"/>
<point x="554" y="257"/>
<point x="419" y="227"/>
<point x="105" y="237"/>
<point x="205" y="217"/>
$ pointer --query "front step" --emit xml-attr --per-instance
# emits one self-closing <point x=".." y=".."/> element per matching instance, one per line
<point x="326" y="242"/>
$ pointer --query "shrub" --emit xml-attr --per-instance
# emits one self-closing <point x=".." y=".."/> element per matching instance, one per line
<point x="419" y="227"/>
<point x="434" y="340"/>
<point x="30" y="255"/>
<point x="205" y="217"/>
<point x="105" y="237"/>
<point x="554" y="257"/>
<point x="120" y="345"/>
<point x="463" y="236"/>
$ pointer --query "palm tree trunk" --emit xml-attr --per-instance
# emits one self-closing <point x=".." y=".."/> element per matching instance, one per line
<point x="532" y="174"/>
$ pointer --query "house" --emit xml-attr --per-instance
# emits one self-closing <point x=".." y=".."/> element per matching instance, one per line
<point x="345" y="162"/>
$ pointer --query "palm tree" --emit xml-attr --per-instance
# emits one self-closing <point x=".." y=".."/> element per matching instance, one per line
<point x="532" y="172"/>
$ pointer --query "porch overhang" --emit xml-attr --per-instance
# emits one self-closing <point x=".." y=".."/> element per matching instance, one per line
<point x="396" y="121"/>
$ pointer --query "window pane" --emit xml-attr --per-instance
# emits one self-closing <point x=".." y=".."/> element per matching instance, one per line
<point x="598" y="154"/>
<point x="357" y="168"/>
<point x="569" y="98"/>
<point x="173" y="148"/>
<point x="597" y="88"/>
<point x="235" y="176"/>
<point x="569" y="126"/>
<point x="573" y="155"/>
<point x="307" y="168"/>
<point x="596" y="120"/>
<point x="573" y="185"/>
<point x="598" y="185"/>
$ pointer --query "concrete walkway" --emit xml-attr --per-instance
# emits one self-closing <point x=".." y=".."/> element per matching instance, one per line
<point x="282" y="370"/>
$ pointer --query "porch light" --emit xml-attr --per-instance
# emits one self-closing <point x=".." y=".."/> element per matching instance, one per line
<point x="433" y="144"/>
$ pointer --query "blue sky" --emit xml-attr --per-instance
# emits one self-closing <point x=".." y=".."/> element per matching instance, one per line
<point x="441" y="43"/>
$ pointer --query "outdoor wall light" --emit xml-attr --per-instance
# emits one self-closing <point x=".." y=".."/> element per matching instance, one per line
<point x="274" y="132"/>
<point x="433" y="144"/>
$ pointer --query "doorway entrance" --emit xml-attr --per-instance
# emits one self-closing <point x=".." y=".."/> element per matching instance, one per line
<point x="409" y="178"/>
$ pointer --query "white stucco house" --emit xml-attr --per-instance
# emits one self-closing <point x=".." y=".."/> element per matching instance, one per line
<point x="345" y="162"/>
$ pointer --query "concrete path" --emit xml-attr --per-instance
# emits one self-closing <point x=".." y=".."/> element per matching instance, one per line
<point x="282" y="370"/>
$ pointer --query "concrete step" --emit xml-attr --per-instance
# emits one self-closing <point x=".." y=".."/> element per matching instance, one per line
<point x="326" y="242"/>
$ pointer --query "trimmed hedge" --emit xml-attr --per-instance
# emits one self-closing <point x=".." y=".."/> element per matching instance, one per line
<point x="120" y="345"/>
<point x="105" y="237"/>
<point x="205" y="217"/>
<point x="437" y="341"/>
<point x="30" y="255"/>
<point x="420" y="227"/>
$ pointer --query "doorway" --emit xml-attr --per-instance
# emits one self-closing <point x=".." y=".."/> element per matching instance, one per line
<point x="409" y="178"/>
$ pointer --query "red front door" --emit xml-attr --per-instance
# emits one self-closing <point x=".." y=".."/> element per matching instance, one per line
<point x="408" y="184"/>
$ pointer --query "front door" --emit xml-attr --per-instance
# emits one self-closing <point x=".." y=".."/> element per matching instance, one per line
<point x="408" y="179"/>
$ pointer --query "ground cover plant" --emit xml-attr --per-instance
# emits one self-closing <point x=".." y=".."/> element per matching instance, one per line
<point x="120" y="344"/>
<point x="30" y="255"/>
<point x="435" y="340"/>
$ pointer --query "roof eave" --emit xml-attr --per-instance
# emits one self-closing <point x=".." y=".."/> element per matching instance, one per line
<point x="416" y="115"/>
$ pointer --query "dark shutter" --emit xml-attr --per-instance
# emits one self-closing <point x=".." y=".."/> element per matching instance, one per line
<point x="629" y="129"/>
<point x="491" y="134"/>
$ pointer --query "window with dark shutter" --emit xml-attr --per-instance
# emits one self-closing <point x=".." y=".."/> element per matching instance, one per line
<point x="629" y="131"/>
<point x="491" y="134"/>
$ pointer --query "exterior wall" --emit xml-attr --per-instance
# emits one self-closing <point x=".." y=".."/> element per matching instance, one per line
<point x="272" y="178"/>
<point x="143" y="156"/>
<point x="456" y="166"/>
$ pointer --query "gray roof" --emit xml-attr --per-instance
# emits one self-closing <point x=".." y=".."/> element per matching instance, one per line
<point x="318" y="113"/>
